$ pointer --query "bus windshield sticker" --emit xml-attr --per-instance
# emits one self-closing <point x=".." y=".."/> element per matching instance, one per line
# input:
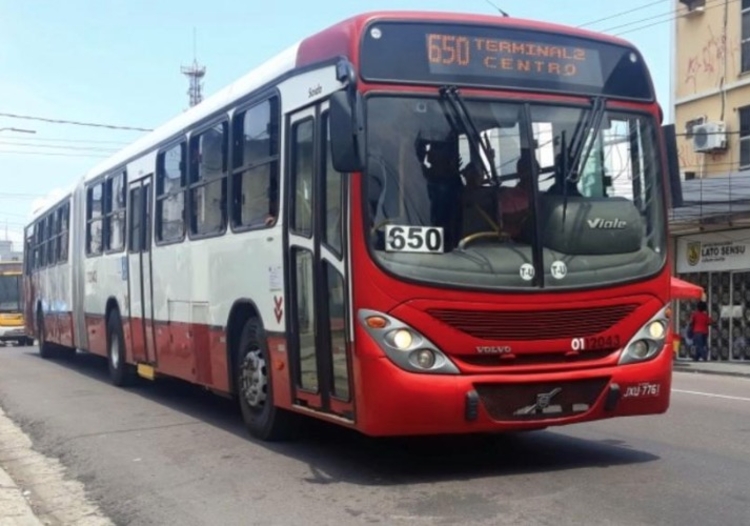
<point x="422" y="239"/>
<point x="527" y="271"/>
<point x="559" y="269"/>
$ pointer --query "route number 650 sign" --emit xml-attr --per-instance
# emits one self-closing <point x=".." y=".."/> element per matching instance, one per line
<point x="425" y="239"/>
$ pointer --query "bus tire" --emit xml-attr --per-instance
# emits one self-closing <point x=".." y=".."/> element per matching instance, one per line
<point x="47" y="350"/>
<point x="121" y="373"/>
<point x="262" y="418"/>
<point x="68" y="353"/>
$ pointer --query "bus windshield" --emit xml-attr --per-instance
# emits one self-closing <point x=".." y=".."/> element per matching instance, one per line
<point x="10" y="293"/>
<point x="463" y="195"/>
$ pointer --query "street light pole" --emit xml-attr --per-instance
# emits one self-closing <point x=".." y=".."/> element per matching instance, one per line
<point x="19" y="130"/>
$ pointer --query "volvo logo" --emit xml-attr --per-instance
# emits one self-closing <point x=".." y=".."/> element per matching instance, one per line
<point x="494" y="349"/>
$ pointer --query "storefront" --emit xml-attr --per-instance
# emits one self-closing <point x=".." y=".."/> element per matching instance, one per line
<point x="720" y="263"/>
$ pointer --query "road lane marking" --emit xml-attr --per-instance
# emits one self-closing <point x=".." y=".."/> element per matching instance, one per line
<point x="712" y="395"/>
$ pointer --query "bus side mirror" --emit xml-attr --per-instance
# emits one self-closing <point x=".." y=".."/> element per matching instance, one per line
<point x="673" y="165"/>
<point x="346" y="121"/>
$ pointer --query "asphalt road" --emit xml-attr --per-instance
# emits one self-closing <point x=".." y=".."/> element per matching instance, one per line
<point x="168" y="453"/>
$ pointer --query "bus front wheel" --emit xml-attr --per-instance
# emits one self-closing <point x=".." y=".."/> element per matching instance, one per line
<point x="253" y="380"/>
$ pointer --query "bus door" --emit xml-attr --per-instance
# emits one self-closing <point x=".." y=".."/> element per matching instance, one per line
<point x="316" y="262"/>
<point x="140" y="287"/>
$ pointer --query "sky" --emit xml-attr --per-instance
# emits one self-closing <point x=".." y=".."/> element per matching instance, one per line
<point x="117" y="62"/>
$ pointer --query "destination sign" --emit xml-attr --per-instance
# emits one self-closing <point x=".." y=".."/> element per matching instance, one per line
<point x="478" y="56"/>
<point x="501" y="57"/>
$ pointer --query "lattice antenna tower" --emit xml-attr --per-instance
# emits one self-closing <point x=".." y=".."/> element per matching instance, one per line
<point x="195" y="73"/>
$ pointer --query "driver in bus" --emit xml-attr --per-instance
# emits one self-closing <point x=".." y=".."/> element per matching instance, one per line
<point x="443" y="185"/>
<point x="514" y="202"/>
<point x="510" y="209"/>
<point x="478" y="202"/>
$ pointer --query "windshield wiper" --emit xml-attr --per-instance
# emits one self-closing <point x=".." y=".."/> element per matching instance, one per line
<point x="575" y="157"/>
<point x="590" y="124"/>
<point x="462" y="116"/>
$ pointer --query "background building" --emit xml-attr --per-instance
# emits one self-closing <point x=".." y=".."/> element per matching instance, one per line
<point x="711" y="84"/>
<point x="7" y="253"/>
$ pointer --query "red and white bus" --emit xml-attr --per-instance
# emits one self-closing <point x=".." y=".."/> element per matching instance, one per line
<point x="408" y="223"/>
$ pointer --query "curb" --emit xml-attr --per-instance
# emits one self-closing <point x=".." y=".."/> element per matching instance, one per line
<point x="16" y="509"/>
<point x="688" y="369"/>
<point x="50" y="498"/>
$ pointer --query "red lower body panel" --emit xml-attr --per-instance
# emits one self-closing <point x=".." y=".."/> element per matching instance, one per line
<point x="192" y="352"/>
<point x="397" y="402"/>
<point x="59" y="328"/>
<point x="96" y="330"/>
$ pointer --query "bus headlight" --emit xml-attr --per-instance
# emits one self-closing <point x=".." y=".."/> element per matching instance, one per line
<point x="648" y="341"/>
<point x="401" y="338"/>
<point x="425" y="358"/>
<point x="656" y="330"/>
<point x="404" y="346"/>
<point x="640" y="349"/>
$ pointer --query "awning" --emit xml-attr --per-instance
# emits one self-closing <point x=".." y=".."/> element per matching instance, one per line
<point x="682" y="290"/>
<point x="717" y="197"/>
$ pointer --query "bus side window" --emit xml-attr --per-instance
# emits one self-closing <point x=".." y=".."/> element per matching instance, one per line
<point x="64" y="235"/>
<point x="333" y="194"/>
<point x="208" y="181"/>
<point x="255" y="166"/>
<point x="302" y="169"/>
<point x="114" y="209"/>
<point x="94" y="210"/>
<point x="170" y="194"/>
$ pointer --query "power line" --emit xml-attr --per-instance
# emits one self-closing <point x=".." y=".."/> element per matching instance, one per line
<point x="497" y="8"/>
<point x="21" y="152"/>
<point x="76" y="123"/>
<point x="54" y="146"/>
<point x="621" y="13"/>
<point x="670" y="13"/>
<point x="92" y="141"/>
<point x="3" y="213"/>
<point x="672" y="18"/>
<point x="12" y="223"/>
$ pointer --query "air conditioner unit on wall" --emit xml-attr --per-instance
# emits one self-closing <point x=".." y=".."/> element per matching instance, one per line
<point x="710" y="137"/>
<point x="694" y="7"/>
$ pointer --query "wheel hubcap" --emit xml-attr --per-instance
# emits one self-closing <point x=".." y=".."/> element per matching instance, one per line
<point x="114" y="352"/>
<point x="254" y="379"/>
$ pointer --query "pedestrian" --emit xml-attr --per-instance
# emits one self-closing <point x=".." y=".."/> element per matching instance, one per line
<point x="699" y="323"/>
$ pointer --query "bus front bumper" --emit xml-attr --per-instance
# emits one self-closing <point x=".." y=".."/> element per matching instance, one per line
<point x="397" y="402"/>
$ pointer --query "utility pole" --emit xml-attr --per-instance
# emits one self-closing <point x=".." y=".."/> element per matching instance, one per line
<point x="195" y="74"/>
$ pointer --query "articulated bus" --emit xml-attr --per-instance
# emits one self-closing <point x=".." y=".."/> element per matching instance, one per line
<point x="407" y="224"/>
<point x="12" y="325"/>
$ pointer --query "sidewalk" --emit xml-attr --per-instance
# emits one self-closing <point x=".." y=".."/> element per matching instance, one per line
<point x="56" y="499"/>
<point x="727" y="368"/>
<point x="14" y="509"/>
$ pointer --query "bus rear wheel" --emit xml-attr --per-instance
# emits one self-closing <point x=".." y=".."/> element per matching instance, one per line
<point x="254" y="389"/>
